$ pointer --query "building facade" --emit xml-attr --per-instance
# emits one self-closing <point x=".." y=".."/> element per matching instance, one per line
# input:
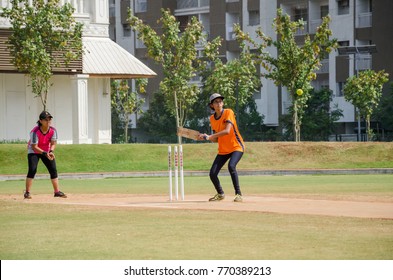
<point x="365" y="25"/>
<point x="79" y="98"/>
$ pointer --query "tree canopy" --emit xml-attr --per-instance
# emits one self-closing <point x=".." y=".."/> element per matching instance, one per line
<point x="364" y="91"/>
<point x="125" y="102"/>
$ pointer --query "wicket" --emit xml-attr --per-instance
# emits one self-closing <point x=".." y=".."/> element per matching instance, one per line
<point x="177" y="162"/>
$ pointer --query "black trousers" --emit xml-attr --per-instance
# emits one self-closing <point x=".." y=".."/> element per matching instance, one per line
<point x="33" y="160"/>
<point x="218" y="163"/>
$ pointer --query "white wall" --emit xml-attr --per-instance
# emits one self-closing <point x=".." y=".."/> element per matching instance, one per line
<point x="19" y="109"/>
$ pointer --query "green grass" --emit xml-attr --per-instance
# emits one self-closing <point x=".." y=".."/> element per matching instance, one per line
<point x="306" y="185"/>
<point x="55" y="231"/>
<point x="51" y="231"/>
<point x="153" y="157"/>
<point x="58" y="232"/>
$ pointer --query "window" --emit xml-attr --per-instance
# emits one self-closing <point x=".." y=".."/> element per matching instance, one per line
<point x="343" y="43"/>
<point x="324" y="11"/>
<point x="340" y="89"/>
<point x="139" y="43"/>
<point x="343" y="7"/>
<point x="140" y="6"/>
<point x="253" y="18"/>
<point x="126" y="31"/>
<point x="184" y="20"/>
<point x="300" y="14"/>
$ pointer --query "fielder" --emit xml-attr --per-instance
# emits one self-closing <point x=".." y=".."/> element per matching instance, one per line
<point x="42" y="144"/>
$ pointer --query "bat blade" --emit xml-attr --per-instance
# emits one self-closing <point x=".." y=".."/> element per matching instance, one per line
<point x="187" y="133"/>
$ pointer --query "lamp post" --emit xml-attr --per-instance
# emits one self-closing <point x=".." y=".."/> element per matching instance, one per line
<point x="355" y="50"/>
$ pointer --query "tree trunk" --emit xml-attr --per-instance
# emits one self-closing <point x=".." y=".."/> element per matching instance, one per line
<point x="177" y="118"/>
<point x="369" y="132"/>
<point x="126" y="121"/>
<point x="43" y="94"/>
<point x="44" y="98"/>
<point x="296" y="126"/>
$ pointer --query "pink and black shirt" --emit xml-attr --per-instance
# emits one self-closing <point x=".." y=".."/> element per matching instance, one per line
<point x="42" y="140"/>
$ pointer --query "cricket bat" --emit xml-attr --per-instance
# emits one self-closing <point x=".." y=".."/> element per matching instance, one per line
<point x="188" y="133"/>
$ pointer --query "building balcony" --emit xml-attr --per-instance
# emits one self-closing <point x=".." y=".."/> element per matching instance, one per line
<point x="363" y="61"/>
<point x="189" y="4"/>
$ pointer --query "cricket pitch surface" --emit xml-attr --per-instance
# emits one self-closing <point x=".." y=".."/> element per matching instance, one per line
<point x="252" y="203"/>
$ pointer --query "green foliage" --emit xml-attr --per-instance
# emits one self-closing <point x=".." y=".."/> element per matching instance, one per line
<point x="158" y="123"/>
<point x="15" y="141"/>
<point x="126" y="102"/>
<point x="384" y="112"/>
<point x="295" y="65"/>
<point x="236" y="79"/>
<point x="153" y="157"/>
<point x="40" y="30"/>
<point x="117" y="128"/>
<point x="364" y="91"/>
<point x="250" y="122"/>
<point x="319" y="118"/>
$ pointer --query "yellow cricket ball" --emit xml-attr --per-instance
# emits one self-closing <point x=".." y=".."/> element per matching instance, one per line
<point x="299" y="91"/>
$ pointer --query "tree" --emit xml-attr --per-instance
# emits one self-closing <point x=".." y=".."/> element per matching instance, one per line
<point x="250" y="121"/>
<point x="157" y="122"/>
<point x="295" y="66"/>
<point x="126" y="102"/>
<point x="236" y="79"/>
<point x="384" y="112"/>
<point x="364" y="91"/>
<point x="175" y="51"/>
<point x="39" y="31"/>
<point x="319" y="117"/>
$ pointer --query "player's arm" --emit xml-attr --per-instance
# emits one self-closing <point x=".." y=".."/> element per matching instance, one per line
<point x="214" y="137"/>
<point x="53" y="145"/>
<point x="37" y="149"/>
<point x="51" y="154"/>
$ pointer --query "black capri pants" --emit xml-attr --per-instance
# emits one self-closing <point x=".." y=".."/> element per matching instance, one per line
<point x="33" y="159"/>
<point x="218" y="163"/>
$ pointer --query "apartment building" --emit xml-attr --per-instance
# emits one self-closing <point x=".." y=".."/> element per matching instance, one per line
<point x="79" y="99"/>
<point x="362" y="27"/>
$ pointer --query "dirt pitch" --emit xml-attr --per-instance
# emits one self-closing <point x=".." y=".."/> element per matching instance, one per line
<point x="267" y="204"/>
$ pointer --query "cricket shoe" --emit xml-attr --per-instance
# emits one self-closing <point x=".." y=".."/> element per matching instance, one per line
<point x="238" y="198"/>
<point x="60" y="194"/>
<point x="217" y="197"/>
<point x="27" y="195"/>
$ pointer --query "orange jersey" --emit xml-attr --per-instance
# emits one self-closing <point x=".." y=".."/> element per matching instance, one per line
<point x="231" y="142"/>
